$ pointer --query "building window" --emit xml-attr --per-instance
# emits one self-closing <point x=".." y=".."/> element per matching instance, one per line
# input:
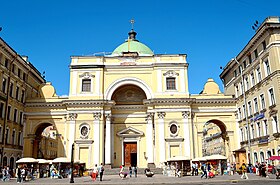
<point x="6" y="63"/>
<point x="22" y="96"/>
<point x="265" y="130"/>
<point x="241" y="86"/>
<point x="7" y="135"/>
<point x="247" y="83"/>
<point x="170" y="83"/>
<point x="244" y="111"/>
<point x="256" y="53"/>
<point x="259" y="75"/>
<point x="267" y="67"/>
<point x="1" y="133"/>
<point x="250" y="58"/>
<point x="19" y="72"/>
<point x="262" y="101"/>
<point x="252" y="131"/>
<point x="236" y="90"/>
<point x="235" y="73"/>
<point x="264" y="45"/>
<point x="275" y="125"/>
<point x="259" y="129"/>
<point x="244" y="64"/>
<point x="14" y="137"/>
<point x="173" y="129"/>
<point x="17" y="93"/>
<point x="242" y="135"/>
<point x="253" y="79"/>
<point x="250" y="108"/>
<point x="13" y="68"/>
<point x="24" y="76"/>
<point x="272" y="98"/>
<point x="262" y="156"/>
<point x="1" y="110"/>
<point x="19" y="137"/>
<point x="268" y="156"/>
<point x="239" y="113"/>
<point x="86" y="84"/>
<point x="15" y="115"/>
<point x="20" y="117"/>
<point x="4" y="85"/>
<point x="11" y="89"/>
<point x="255" y="156"/>
<point x="256" y="105"/>
<point x="9" y="113"/>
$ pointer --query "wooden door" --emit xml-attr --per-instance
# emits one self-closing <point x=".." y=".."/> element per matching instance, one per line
<point x="129" y="148"/>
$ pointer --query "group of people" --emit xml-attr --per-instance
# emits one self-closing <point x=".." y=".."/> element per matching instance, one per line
<point x="6" y="173"/>
<point x="97" y="171"/>
<point x="23" y="174"/>
<point x="132" y="171"/>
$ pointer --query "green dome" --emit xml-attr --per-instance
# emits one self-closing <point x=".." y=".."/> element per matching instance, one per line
<point x="132" y="45"/>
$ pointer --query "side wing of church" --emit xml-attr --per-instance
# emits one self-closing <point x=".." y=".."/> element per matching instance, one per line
<point x="131" y="108"/>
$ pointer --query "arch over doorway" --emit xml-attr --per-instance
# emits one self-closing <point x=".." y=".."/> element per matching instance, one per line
<point x="128" y="81"/>
<point x="222" y="127"/>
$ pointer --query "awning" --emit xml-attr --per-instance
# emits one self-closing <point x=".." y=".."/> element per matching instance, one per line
<point x="43" y="161"/>
<point x="61" y="160"/>
<point x="179" y="158"/>
<point x="27" y="160"/>
<point x="274" y="158"/>
<point x="199" y="159"/>
<point x="215" y="157"/>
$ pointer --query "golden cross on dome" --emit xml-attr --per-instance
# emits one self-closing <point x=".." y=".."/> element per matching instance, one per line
<point x="132" y="21"/>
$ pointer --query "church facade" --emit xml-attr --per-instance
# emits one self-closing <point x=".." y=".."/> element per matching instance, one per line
<point x="132" y="107"/>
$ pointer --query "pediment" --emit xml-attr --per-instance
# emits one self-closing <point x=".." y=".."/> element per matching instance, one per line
<point x="130" y="132"/>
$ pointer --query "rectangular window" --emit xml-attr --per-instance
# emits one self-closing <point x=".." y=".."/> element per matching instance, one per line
<point x="22" y="96"/>
<point x="267" y="67"/>
<point x="241" y="86"/>
<point x="2" y="110"/>
<point x="4" y="85"/>
<point x="256" y="53"/>
<point x="13" y="137"/>
<point x="265" y="127"/>
<point x="19" y="136"/>
<point x="9" y="113"/>
<point x="19" y="73"/>
<point x="0" y="133"/>
<point x="276" y="126"/>
<point x="20" y="117"/>
<point x="235" y="73"/>
<point x="259" y="75"/>
<point x="252" y="131"/>
<point x="15" y="115"/>
<point x="86" y="84"/>
<point x="170" y="83"/>
<point x="24" y="76"/>
<point x="250" y="108"/>
<point x="253" y="79"/>
<point x="244" y="111"/>
<point x="256" y="105"/>
<point x="13" y="68"/>
<point x="272" y="98"/>
<point x="259" y="129"/>
<point x="264" y="45"/>
<point x="247" y="83"/>
<point x="262" y="101"/>
<point x="17" y="93"/>
<point x="239" y="113"/>
<point x="250" y="58"/>
<point x="11" y="89"/>
<point x="244" y="64"/>
<point x="6" y="63"/>
<point x="7" y="135"/>
<point x="237" y="90"/>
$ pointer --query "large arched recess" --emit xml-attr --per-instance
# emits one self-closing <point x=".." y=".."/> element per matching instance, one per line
<point x="38" y="137"/>
<point x="128" y="81"/>
<point x="222" y="126"/>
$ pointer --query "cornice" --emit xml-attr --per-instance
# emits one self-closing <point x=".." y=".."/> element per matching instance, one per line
<point x="216" y="101"/>
<point x="159" y="101"/>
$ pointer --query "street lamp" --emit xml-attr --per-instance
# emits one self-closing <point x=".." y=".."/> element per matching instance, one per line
<point x="72" y="164"/>
<point x="246" y="113"/>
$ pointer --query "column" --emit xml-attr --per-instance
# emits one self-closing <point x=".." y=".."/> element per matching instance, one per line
<point x="96" y="151"/>
<point x="187" y="143"/>
<point x="108" y="140"/>
<point x="150" y="139"/>
<point x="72" y="130"/>
<point x="161" y="136"/>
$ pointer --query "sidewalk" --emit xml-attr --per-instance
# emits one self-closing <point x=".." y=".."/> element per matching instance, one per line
<point x="142" y="179"/>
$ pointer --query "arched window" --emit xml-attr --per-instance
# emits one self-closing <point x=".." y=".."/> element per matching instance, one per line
<point x="5" y="161"/>
<point x="255" y="156"/>
<point x="262" y="156"/>
<point x="12" y="162"/>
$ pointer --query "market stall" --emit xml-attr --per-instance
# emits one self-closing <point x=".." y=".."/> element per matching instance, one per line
<point x="61" y="167"/>
<point x="30" y="165"/>
<point x="44" y="166"/>
<point x="217" y="162"/>
<point x="181" y="164"/>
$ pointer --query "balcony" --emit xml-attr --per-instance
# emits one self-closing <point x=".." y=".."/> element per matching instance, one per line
<point x="276" y="135"/>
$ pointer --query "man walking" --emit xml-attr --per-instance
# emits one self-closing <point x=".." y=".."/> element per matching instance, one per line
<point x="101" y="170"/>
<point x="203" y="168"/>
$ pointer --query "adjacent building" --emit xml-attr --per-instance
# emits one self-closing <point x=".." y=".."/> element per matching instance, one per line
<point x="253" y="78"/>
<point x="20" y="80"/>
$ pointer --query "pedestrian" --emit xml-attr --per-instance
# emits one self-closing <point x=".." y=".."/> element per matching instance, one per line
<point x="4" y="175"/>
<point x="23" y="175"/>
<point x="244" y="171"/>
<point x="101" y="171"/>
<point x="94" y="173"/>
<point x="203" y="169"/>
<point x="196" y="169"/>
<point x="18" y="172"/>
<point x="228" y="168"/>
<point x="193" y="169"/>
<point x="130" y="171"/>
<point x="135" y="171"/>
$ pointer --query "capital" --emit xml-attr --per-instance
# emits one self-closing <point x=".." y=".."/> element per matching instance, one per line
<point x="108" y="116"/>
<point x="161" y="115"/>
<point x="185" y="114"/>
<point x="72" y="116"/>
<point x="150" y="116"/>
<point x="97" y="115"/>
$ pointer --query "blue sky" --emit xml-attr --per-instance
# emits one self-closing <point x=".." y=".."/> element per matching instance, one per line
<point x="210" y="32"/>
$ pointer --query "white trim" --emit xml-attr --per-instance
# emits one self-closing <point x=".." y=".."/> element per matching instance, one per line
<point x="128" y="81"/>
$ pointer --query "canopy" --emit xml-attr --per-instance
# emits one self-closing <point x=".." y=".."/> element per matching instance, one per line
<point x="179" y="158"/>
<point x="215" y="157"/>
<point x="61" y="160"/>
<point x="199" y="159"/>
<point x="43" y="161"/>
<point x="27" y="160"/>
<point x="274" y="158"/>
<point x="79" y="162"/>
